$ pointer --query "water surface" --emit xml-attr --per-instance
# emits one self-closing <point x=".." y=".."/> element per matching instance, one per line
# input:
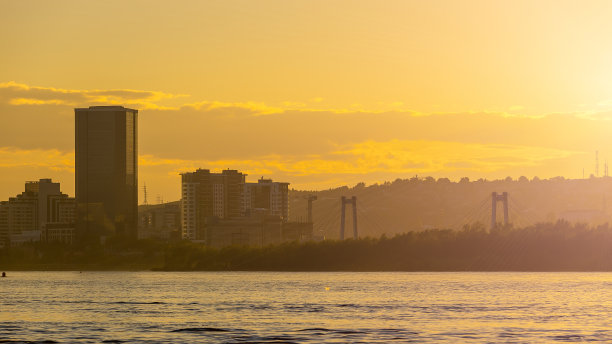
<point x="285" y="307"/>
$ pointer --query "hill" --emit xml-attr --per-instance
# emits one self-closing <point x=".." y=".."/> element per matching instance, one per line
<point x="425" y="203"/>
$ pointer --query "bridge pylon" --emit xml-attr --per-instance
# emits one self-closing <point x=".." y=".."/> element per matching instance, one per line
<point x="353" y="202"/>
<point x="495" y="197"/>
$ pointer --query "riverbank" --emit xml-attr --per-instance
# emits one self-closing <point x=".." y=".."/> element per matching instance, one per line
<point x="544" y="247"/>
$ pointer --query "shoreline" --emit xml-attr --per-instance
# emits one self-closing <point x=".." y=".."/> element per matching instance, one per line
<point x="72" y="268"/>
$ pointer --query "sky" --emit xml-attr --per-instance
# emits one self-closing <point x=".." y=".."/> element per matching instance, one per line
<point x="319" y="94"/>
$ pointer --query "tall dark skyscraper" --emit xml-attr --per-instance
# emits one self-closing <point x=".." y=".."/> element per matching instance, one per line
<point x="106" y="152"/>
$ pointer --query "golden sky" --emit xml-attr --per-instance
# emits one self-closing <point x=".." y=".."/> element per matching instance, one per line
<point x="315" y="93"/>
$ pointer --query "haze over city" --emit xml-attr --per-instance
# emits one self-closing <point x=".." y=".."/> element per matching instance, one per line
<point x="319" y="94"/>
<point x="305" y="171"/>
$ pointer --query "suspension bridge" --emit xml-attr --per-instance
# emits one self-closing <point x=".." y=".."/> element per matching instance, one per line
<point x="350" y="216"/>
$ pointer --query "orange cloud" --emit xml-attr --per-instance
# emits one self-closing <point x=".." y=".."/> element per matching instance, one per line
<point x="22" y="94"/>
<point x="47" y="158"/>
<point x="311" y="148"/>
<point x="404" y="156"/>
<point x="395" y="156"/>
<point x="32" y="101"/>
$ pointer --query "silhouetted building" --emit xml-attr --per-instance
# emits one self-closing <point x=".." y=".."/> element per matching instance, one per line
<point x="221" y="208"/>
<point x="244" y="231"/>
<point x="4" y="223"/>
<point x="160" y="221"/>
<point x="106" y="173"/>
<point x="21" y="218"/>
<point x="268" y="197"/>
<point x="59" y="232"/>
<point x="27" y="216"/>
<point x="256" y="230"/>
<point x="206" y="194"/>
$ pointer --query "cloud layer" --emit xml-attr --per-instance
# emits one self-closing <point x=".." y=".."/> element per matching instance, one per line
<point x="22" y="94"/>
<point x="303" y="143"/>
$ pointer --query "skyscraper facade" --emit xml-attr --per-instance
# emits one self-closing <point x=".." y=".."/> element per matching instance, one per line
<point x="106" y="172"/>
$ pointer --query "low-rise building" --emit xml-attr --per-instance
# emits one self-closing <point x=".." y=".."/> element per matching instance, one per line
<point x="255" y="231"/>
<point x="245" y="231"/>
<point x="59" y="232"/>
<point x="159" y="221"/>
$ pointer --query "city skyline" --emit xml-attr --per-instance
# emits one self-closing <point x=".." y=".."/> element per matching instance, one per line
<point x="371" y="93"/>
<point x="305" y="171"/>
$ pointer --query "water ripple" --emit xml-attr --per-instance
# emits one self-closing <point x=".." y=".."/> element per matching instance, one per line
<point x="147" y="307"/>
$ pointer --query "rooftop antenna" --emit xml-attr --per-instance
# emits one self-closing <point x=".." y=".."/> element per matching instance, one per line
<point x="596" y="163"/>
<point x="145" y="194"/>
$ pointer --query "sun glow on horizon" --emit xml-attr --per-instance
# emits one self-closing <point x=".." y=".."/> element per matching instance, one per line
<point x="313" y="93"/>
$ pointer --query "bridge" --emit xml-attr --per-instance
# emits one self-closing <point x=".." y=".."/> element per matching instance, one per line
<point x="495" y="211"/>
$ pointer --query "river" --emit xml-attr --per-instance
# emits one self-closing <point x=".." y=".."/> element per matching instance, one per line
<point x="292" y="307"/>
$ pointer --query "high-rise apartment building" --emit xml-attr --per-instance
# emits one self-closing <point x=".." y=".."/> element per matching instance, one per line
<point x="206" y="194"/>
<point x="106" y="173"/>
<point x="210" y="200"/>
<point x="271" y="198"/>
<point x="20" y="218"/>
<point x="27" y="216"/>
<point x="4" y="223"/>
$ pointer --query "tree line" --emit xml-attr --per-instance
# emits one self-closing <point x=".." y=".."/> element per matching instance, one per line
<point x="558" y="246"/>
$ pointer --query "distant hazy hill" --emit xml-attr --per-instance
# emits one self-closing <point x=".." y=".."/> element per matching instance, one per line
<point x="417" y="204"/>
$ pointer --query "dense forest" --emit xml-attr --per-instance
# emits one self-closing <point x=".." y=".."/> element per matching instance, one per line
<point x="558" y="246"/>
<point x="425" y="203"/>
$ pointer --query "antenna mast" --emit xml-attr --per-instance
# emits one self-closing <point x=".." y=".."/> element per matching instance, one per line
<point x="596" y="163"/>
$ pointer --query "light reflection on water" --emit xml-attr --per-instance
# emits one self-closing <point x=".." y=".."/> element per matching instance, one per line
<point x="284" y="307"/>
